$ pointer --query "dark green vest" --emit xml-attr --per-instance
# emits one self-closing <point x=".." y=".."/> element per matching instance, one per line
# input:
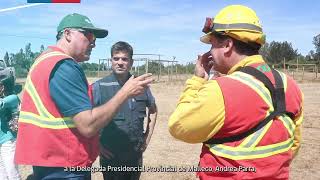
<point x="125" y="132"/>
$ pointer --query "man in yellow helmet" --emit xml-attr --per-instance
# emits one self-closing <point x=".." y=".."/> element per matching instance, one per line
<point x="248" y="120"/>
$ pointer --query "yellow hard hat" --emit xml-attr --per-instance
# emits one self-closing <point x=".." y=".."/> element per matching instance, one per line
<point x="236" y="21"/>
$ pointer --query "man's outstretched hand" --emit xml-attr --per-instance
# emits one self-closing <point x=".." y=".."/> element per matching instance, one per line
<point x="135" y="86"/>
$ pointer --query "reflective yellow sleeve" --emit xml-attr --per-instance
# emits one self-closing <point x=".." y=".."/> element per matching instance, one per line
<point x="297" y="132"/>
<point x="200" y="111"/>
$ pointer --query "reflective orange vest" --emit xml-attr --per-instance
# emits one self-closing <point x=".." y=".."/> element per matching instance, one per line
<point x="265" y="154"/>
<point x="45" y="137"/>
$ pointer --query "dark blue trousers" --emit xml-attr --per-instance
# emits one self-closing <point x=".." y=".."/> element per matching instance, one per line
<point x="55" y="173"/>
<point x="133" y="159"/>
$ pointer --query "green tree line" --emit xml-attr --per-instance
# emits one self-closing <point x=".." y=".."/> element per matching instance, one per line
<point x="273" y="52"/>
<point x="22" y="60"/>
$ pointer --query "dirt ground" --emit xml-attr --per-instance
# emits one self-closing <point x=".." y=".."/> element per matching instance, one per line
<point x="165" y="151"/>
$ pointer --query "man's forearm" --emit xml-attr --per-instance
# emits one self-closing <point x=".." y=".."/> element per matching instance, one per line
<point x="103" y="114"/>
<point x="91" y="121"/>
<point x="151" y="125"/>
<point x="199" y="115"/>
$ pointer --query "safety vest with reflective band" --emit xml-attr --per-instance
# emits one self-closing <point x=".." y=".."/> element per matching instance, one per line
<point x="263" y="147"/>
<point x="45" y="137"/>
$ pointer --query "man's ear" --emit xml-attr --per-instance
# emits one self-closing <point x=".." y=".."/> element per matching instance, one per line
<point x="228" y="45"/>
<point x="67" y="34"/>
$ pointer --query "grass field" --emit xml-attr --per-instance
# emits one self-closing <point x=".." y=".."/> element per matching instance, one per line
<point x="165" y="151"/>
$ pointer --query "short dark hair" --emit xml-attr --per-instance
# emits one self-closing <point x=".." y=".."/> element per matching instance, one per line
<point x="122" y="46"/>
<point x="248" y="49"/>
<point x="59" y="35"/>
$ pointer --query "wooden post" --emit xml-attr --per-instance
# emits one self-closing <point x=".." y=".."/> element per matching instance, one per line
<point x="302" y="72"/>
<point x="99" y="69"/>
<point x="175" y="64"/>
<point x="159" y="68"/>
<point x="168" y="71"/>
<point x="292" y="72"/>
<point x="138" y="67"/>
<point x="147" y="63"/>
<point x="316" y="71"/>
<point x="297" y="67"/>
<point x="171" y="70"/>
<point x="176" y="71"/>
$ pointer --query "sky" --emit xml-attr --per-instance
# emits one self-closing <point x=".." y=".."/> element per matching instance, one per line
<point x="171" y="28"/>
